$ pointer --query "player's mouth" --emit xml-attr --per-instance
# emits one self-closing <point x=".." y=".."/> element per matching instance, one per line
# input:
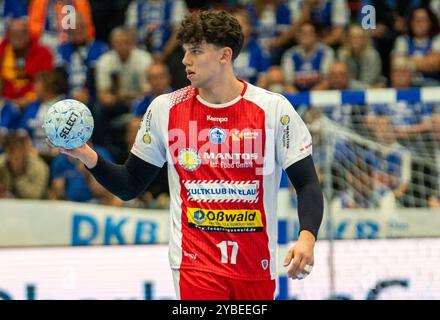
<point x="189" y="74"/>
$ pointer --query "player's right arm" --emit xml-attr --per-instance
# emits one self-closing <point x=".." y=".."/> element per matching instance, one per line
<point x="126" y="181"/>
<point x="146" y="158"/>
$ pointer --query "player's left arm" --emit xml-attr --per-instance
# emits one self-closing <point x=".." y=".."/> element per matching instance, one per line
<point x="300" y="257"/>
<point x="293" y="152"/>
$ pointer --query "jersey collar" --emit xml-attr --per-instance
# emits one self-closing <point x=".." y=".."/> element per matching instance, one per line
<point x="226" y="104"/>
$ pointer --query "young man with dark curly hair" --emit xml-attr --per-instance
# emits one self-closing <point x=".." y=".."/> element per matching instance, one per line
<point x="226" y="143"/>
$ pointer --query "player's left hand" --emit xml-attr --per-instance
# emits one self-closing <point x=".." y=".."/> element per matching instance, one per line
<point x="299" y="258"/>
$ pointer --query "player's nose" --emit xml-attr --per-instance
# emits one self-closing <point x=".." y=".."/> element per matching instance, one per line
<point x="185" y="59"/>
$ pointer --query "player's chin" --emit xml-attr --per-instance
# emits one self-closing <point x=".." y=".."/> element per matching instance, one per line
<point x="195" y="83"/>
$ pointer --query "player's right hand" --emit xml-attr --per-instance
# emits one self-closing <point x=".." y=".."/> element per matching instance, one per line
<point x="85" y="154"/>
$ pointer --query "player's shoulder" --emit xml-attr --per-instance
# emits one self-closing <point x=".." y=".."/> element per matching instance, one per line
<point x="172" y="99"/>
<point x="263" y="97"/>
<point x="177" y="97"/>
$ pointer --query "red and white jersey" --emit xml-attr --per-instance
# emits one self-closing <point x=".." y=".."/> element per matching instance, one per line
<point x="224" y="169"/>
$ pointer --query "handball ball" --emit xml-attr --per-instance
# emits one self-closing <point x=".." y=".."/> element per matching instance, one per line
<point x="68" y="124"/>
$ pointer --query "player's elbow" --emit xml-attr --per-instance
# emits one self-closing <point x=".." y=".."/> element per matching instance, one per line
<point x="127" y="196"/>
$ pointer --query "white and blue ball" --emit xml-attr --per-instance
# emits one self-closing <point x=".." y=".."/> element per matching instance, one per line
<point x="68" y="124"/>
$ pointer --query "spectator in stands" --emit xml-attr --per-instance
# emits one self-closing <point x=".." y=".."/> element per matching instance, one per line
<point x="355" y="178"/>
<point x="77" y="58"/>
<point x="70" y="180"/>
<point x="21" y="58"/>
<point x="362" y="58"/>
<point x="154" y="22"/>
<point x="395" y="10"/>
<point x="306" y="65"/>
<point x="158" y="82"/>
<point x="10" y="9"/>
<point x="120" y="79"/>
<point x="340" y="78"/>
<point x="391" y="166"/>
<point x="120" y="74"/>
<point x="421" y="45"/>
<point x="274" y="80"/>
<point x="270" y="20"/>
<point x="9" y="117"/>
<point x="51" y="19"/>
<point x="22" y="172"/>
<point x="411" y="123"/>
<point x="330" y="16"/>
<point x="50" y="87"/>
<point x="347" y="115"/>
<point x="390" y="23"/>
<point x="252" y="62"/>
<point x="409" y="120"/>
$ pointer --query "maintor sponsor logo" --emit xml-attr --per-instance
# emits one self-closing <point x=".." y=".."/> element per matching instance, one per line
<point x="244" y="220"/>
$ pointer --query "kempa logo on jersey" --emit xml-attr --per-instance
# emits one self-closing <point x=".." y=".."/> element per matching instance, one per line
<point x="243" y="220"/>
<point x="217" y="119"/>
<point x="222" y="191"/>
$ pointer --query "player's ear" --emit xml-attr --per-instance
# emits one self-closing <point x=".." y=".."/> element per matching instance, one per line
<point x="226" y="55"/>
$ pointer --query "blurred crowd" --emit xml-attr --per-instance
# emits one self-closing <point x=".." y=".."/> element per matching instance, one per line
<point x="117" y="56"/>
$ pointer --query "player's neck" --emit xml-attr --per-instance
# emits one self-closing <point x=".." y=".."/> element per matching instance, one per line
<point x="222" y="91"/>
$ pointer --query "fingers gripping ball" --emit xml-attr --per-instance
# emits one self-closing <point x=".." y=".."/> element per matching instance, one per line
<point x="68" y="124"/>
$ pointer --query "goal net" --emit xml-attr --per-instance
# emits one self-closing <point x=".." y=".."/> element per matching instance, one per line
<point x="376" y="155"/>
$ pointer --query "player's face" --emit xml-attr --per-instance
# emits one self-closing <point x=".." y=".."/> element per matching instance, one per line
<point x="202" y="63"/>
